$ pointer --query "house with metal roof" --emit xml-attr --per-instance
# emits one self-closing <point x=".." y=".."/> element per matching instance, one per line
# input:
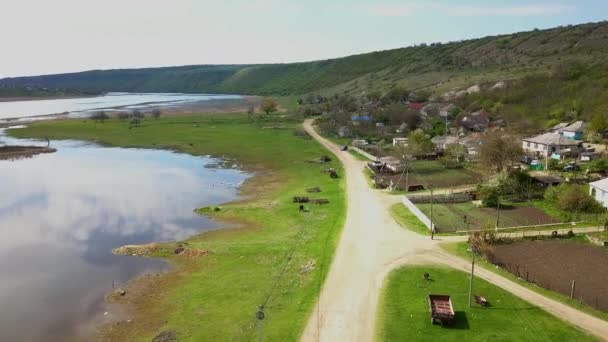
<point x="550" y="145"/>
<point x="574" y="131"/>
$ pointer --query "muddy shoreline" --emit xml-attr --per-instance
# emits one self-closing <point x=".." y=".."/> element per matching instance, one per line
<point x="19" y="152"/>
<point x="137" y="310"/>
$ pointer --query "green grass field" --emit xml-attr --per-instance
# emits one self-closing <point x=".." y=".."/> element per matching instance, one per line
<point x="404" y="313"/>
<point x="461" y="249"/>
<point x="263" y="262"/>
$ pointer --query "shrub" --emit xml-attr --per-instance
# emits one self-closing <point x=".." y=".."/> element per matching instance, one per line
<point x="100" y="116"/>
<point x="573" y="198"/>
<point x="490" y="196"/>
<point x="598" y="165"/>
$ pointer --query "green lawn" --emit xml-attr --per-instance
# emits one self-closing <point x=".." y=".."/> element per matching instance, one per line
<point x="404" y="313"/>
<point x="406" y="219"/>
<point x="462" y="250"/>
<point x="262" y="262"/>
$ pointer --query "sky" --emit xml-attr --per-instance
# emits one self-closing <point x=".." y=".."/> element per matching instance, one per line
<point x="44" y="36"/>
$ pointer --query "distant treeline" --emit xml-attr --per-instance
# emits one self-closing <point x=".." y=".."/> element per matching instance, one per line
<point x="425" y="65"/>
<point x="12" y="91"/>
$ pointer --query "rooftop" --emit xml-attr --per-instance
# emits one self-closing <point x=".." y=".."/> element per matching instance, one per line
<point x="554" y="139"/>
<point x="578" y="126"/>
<point x="442" y="139"/>
<point x="602" y="184"/>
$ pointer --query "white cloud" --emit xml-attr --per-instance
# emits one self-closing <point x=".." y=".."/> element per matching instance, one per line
<point x="415" y="7"/>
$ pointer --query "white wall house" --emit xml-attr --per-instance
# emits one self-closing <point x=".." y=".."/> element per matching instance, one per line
<point x="549" y="144"/>
<point x="399" y="141"/>
<point x="599" y="191"/>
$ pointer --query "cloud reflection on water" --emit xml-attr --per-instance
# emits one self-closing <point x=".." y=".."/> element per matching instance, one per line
<point x="62" y="213"/>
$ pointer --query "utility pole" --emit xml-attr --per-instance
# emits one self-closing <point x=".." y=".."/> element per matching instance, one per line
<point x="260" y="316"/>
<point x="472" y="273"/>
<point x="432" y="225"/>
<point x="407" y="178"/>
<point x="497" y="212"/>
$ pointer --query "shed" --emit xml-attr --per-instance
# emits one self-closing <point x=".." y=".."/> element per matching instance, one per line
<point x="546" y="180"/>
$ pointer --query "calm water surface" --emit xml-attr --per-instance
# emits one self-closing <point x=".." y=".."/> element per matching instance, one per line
<point x="22" y="109"/>
<point x="62" y="213"/>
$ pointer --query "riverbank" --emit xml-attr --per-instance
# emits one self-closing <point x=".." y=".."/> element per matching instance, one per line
<point x="38" y="98"/>
<point x="17" y="152"/>
<point x="273" y="254"/>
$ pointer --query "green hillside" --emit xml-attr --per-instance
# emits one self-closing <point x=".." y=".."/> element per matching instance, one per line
<point x="437" y="66"/>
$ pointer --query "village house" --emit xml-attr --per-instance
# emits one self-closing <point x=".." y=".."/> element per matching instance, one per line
<point x="599" y="191"/>
<point x="399" y="141"/>
<point x="550" y="145"/>
<point x="402" y="128"/>
<point x="477" y="121"/>
<point x="358" y="118"/>
<point x="359" y="143"/>
<point x="387" y="164"/>
<point x="417" y="106"/>
<point x="473" y="143"/>
<point x="574" y="131"/>
<point x="445" y="111"/>
<point x="442" y="141"/>
<point x="345" y="132"/>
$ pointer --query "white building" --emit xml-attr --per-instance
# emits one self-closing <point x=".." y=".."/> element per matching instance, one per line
<point x="399" y="141"/>
<point x="441" y="141"/>
<point x="550" y="144"/>
<point x="599" y="191"/>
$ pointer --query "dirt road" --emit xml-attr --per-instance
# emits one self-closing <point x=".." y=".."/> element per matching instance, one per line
<point x="372" y="244"/>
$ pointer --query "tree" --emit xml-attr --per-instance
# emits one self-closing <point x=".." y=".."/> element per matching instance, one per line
<point x="135" y="121"/>
<point x="268" y="106"/>
<point x="122" y="116"/>
<point x="499" y="151"/>
<point x="373" y="96"/>
<point x="137" y="114"/>
<point x="419" y="143"/>
<point x="598" y="124"/>
<point x="455" y="153"/>
<point x="100" y="116"/>
<point x="397" y="94"/>
<point x="156" y="113"/>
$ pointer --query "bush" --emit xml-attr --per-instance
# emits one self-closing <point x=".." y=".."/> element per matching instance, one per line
<point x="490" y="196"/>
<point x="122" y="116"/>
<point x="553" y="165"/>
<point x="573" y="198"/>
<point x="598" y="165"/>
<point x="100" y="116"/>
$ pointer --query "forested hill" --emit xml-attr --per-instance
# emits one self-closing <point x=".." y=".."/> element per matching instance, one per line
<point x="441" y="65"/>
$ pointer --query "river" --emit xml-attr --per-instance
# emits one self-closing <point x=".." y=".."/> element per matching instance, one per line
<point x="62" y="213"/>
<point x="80" y="106"/>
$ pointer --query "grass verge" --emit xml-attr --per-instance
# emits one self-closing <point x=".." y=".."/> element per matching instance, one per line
<point x="461" y="249"/>
<point x="278" y="256"/>
<point x="408" y="220"/>
<point x="404" y="313"/>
